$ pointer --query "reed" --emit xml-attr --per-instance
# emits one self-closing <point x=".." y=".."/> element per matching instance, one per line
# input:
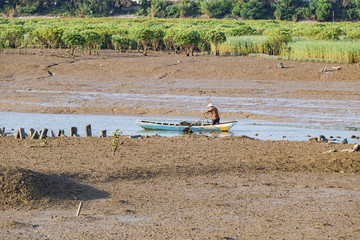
<point x="244" y="44"/>
<point x="346" y="50"/>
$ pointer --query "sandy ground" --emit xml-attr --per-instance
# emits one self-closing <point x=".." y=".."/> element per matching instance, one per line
<point x="186" y="187"/>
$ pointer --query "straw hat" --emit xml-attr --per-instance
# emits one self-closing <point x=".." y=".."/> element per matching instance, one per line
<point x="210" y="105"/>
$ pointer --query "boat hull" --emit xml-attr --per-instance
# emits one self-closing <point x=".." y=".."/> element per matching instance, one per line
<point x="222" y="127"/>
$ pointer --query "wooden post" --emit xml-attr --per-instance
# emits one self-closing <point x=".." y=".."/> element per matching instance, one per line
<point x="88" y="130"/>
<point x="43" y="134"/>
<point x="79" y="209"/>
<point x="73" y="131"/>
<point x="2" y="133"/>
<point x="20" y="133"/>
<point x="35" y="135"/>
<point x="103" y="134"/>
<point x="60" y="133"/>
<point x="31" y="132"/>
<point x="52" y="134"/>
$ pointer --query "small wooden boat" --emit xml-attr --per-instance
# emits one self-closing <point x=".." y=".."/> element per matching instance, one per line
<point x="198" y="126"/>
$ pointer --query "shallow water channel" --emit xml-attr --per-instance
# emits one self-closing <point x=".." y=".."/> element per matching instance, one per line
<point x="263" y="130"/>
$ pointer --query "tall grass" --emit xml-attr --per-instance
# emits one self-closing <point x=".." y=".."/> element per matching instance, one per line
<point x="346" y="50"/>
<point x="301" y="48"/>
<point x="244" y="44"/>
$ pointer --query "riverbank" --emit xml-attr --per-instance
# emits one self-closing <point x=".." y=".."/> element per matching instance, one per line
<point x="184" y="187"/>
<point x="176" y="188"/>
<point x="47" y="81"/>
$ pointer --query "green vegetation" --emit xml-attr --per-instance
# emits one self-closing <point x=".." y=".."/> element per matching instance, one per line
<point x="289" y="10"/>
<point x="115" y="141"/>
<point x="346" y="50"/>
<point x="337" y="41"/>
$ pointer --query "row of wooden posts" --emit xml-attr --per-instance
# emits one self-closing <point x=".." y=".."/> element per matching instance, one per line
<point x="33" y="134"/>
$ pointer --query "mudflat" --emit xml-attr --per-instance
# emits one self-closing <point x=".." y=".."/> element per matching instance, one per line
<point x="185" y="187"/>
<point x="172" y="84"/>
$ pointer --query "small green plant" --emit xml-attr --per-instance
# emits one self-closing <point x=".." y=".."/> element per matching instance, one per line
<point x="44" y="143"/>
<point x="115" y="140"/>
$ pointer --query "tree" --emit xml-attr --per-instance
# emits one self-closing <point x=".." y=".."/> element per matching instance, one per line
<point x="120" y="42"/>
<point x="12" y="36"/>
<point x="158" y="38"/>
<point x="215" y="37"/>
<point x="284" y="10"/>
<point x="157" y="8"/>
<point x="252" y="10"/>
<point x="189" y="40"/>
<point x="144" y="36"/>
<point x="324" y="10"/>
<point x="277" y="39"/>
<point x="73" y="39"/>
<point x="216" y="8"/>
<point x="49" y="37"/>
<point x="92" y="40"/>
<point x="169" y="38"/>
<point x="357" y="9"/>
<point x="172" y="11"/>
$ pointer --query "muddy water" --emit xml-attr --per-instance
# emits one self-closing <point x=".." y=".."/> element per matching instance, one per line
<point x="321" y="111"/>
<point x="263" y="130"/>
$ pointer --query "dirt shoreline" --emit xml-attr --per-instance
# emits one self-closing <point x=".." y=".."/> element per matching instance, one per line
<point x="185" y="187"/>
<point x="47" y="81"/>
<point x="190" y="187"/>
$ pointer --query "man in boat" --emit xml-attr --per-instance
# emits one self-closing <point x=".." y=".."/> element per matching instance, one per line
<point x="215" y="117"/>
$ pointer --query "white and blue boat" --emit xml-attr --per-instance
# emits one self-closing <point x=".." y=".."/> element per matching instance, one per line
<point x="200" y="126"/>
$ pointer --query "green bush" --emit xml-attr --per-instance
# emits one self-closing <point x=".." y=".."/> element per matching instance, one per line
<point x="169" y="38"/>
<point x="188" y="40"/>
<point x="121" y="42"/>
<point x="73" y="39"/>
<point x="277" y="39"/>
<point x="239" y="31"/>
<point x="12" y="36"/>
<point x="329" y="33"/>
<point x="157" y="39"/>
<point x="92" y="40"/>
<point x="49" y="37"/>
<point x="353" y="34"/>
<point x="144" y="37"/>
<point x="215" y="37"/>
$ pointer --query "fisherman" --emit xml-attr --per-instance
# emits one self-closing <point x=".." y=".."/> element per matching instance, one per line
<point x="215" y="117"/>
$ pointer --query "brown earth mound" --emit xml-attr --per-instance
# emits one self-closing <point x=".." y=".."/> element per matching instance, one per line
<point x="23" y="187"/>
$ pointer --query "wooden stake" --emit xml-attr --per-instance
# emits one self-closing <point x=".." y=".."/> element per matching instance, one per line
<point x="88" y="130"/>
<point x="20" y="133"/>
<point x="103" y="134"/>
<point x="79" y="209"/>
<point x="43" y="134"/>
<point x="73" y="131"/>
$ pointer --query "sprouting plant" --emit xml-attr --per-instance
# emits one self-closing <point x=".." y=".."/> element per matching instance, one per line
<point x="115" y="140"/>
<point x="44" y="143"/>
